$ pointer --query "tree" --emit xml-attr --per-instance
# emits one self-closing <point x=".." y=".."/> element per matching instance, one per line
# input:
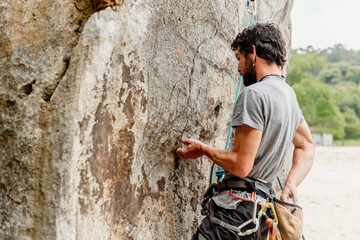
<point x="349" y="100"/>
<point x="327" y="86"/>
<point x="339" y="53"/>
<point x="319" y="108"/>
<point x="352" y="124"/>
<point x="353" y="74"/>
<point x="331" y="75"/>
<point x="329" y="118"/>
<point x="304" y="63"/>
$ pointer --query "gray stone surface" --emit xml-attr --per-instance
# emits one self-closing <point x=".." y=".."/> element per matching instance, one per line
<point x="93" y="105"/>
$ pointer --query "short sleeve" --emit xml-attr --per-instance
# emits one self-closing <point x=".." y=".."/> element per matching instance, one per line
<point x="249" y="110"/>
<point x="301" y="116"/>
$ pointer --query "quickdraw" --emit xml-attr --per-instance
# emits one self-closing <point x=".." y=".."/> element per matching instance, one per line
<point x="254" y="6"/>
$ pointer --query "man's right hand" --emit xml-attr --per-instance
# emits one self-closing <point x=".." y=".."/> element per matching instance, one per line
<point x="192" y="150"/>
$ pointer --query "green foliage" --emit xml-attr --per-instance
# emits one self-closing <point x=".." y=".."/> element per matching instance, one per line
<point x="352" y="128"/>
<point x="331" y="75"/>
<point x="339" y="53"/>
<point x="329" y="118"/>
<point x="353" y="74"/>
<point x="349" y="100"/>
<point x="326" y="83"/>
<point x="336" y="73"/>
<point x="304" y="64"/>
<point x="319" y="109"/>
<point x="347" y="142"/>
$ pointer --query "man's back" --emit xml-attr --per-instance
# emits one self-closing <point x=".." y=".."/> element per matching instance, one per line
<point x="270" y="106"/>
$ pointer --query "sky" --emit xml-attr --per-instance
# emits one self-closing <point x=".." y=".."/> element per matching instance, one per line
<point x="323" y="23"/>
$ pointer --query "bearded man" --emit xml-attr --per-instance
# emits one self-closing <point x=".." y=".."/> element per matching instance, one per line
<point x="267" y="119"/>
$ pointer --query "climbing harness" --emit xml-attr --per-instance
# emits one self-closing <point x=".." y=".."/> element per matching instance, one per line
<point x="255" y="220"/>
<point x="255" y="187"/>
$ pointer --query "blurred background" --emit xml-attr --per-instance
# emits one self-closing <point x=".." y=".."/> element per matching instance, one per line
<point x="325" y="74"/>
<point x="325" y="67"/>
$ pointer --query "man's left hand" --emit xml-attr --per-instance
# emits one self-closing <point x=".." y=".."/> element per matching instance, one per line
<point x="289" y="194"/>
<point x="192" y="150"/>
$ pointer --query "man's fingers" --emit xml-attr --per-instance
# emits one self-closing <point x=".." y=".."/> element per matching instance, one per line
<point x="283" y="198"/>
<point x="180" y="152"/>
<point x="181" y="155"/>
<point x="186" y="141"/>
<point x="191" y="150"/>
<point x="288" y="199"/>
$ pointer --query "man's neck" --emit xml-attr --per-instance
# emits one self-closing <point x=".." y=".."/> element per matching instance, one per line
<point x="264" y="68"/>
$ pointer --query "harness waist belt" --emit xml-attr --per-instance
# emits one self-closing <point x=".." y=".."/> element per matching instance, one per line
<point x="225" y="185"/>
<point x="245" y="183"/>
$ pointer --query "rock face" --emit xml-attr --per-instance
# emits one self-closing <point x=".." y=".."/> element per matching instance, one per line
<point x="93" y="105"/>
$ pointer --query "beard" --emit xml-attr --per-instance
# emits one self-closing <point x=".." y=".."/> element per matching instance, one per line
<point x="249" y="78"/>
<point x="249" y="75"/>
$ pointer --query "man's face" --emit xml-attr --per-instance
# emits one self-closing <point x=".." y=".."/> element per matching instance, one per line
<point x="246" y="68"/>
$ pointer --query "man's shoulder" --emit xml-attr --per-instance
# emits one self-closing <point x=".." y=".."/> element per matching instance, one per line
<point x="270" y="86"/>
<point x="253" y="92"/>
<point x="259" y="89"/>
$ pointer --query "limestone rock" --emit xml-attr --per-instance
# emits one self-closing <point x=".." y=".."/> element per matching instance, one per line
<point x="93" y="105"/>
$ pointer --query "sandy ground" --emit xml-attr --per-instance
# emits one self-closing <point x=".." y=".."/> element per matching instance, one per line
<point x="330" y="195"/>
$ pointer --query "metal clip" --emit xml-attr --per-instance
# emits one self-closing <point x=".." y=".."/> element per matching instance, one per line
<point x="254" y="7"/>
<point x="254" y="220"/>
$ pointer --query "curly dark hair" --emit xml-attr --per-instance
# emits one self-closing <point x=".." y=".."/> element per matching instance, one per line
<point x="267" y="39"/>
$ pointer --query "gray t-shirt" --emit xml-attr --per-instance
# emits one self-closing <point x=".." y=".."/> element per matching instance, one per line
<point x="270" y="106"/>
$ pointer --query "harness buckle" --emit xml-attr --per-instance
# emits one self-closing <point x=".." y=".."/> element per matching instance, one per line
<point x="211" y="190"/>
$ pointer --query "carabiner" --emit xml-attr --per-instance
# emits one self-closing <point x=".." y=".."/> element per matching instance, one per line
<point x="254" y="219"/>
<point x="273" y="211"/>
<point x="254" y="7"/>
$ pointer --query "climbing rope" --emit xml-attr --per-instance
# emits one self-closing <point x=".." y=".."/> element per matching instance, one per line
<point x="274" y="229"/>
<point x="220" y="171"/>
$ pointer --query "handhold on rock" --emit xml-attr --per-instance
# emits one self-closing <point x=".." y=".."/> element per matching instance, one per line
<point x="176" y="158"/>
<point x="101" y="4"/>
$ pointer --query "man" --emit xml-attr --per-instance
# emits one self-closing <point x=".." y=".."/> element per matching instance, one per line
<point x="266" y="119"/>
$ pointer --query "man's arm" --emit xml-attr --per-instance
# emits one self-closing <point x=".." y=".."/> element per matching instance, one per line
<point x="303" y="158"/>
<point x="239" y="160"/>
